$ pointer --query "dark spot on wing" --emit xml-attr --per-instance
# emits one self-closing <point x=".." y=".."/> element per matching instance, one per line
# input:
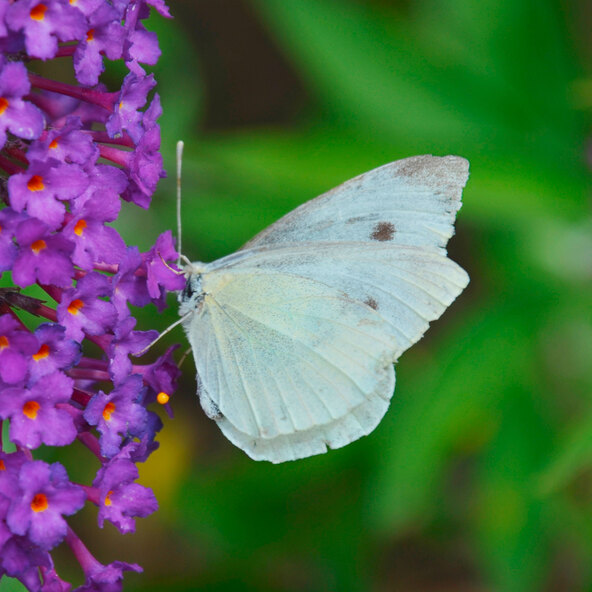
<point x="383" y="231"/>
<point x="371" y="303"/>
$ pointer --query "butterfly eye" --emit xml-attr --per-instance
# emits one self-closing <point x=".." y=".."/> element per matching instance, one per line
<point x="188" y="290"/>
<point x="192" y="287"/>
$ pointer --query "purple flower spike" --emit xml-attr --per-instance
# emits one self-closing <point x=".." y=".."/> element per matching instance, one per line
<point x="43" y="187"/>
<point x="16" y="348"/>
<point x="82" y="312"/>
<point x="42" y="257"/>
<point x="47" y="495"/>
<point x="57" y="205"/>
<point x="35" y="417"/>
<point x="120" y="499"/>
<point x="118" y="414"/>
<point x="44" y="23"/>
<point x="19" y="117"/>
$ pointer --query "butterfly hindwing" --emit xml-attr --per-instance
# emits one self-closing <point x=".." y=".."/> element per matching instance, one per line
<point x="289" y="365"/>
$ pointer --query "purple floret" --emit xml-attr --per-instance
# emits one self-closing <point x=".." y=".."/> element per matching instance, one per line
<point x="46" y="496"/>
<point x="35" y="413"/>
<point x="19" y="117"/>
<point x="81" y="311"/>
<point x="120" y="499"/>
<point x="118" y="414"/>
<point x="145" y="163"/>
<point x="126" y="342"/>
<point x="133" y="96"/>
<point x="94" y="241"/>
<point x="42" y="257"/>
<point x="44" y="23"/>
<point x="56" y="351"/>
<point x="160" y="277"/>
<point x="107" y="578"/>
<point x="104" y="37"/>
<point x="42" y="189"/>
<point x="68" y="144"/>
<point x="16" y="348"/>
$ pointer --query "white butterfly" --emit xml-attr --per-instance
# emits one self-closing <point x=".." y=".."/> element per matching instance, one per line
<point x="294" y="335"/>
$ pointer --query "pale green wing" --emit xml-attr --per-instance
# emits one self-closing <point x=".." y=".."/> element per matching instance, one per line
<point x="410" y="202"/>
<point x="407" y="286"/>
<point x="288" y="366"/>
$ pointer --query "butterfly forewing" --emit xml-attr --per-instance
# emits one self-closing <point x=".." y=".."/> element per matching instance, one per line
<point x="410" y="202"/>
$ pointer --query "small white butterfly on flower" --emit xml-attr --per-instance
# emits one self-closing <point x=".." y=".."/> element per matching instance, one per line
<point x="295" y="335"/>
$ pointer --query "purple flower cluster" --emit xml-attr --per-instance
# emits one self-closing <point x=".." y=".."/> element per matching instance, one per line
<point x="68" y="155"/>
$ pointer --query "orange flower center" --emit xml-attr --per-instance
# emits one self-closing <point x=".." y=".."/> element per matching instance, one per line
<point x="4" y="343"/>
<point x="162" y="398"/>
<point x="90" y="34"/>
<point x="42" y="353"/>
<point x="53" y="144"/>
<point x="108" y="410"/>
<point x="30" y="409"/>
<point x="38" y="13"/>
<point x="80" y="226"/>
<point x="108" y="501"/>
<point x="3" y="105"/>
<point x="38" y="246"/>
<point x="2" y="465"/>
<point x="35" y="183"/>
<point x="39" y="503"/>
<point x="75" y="306"/>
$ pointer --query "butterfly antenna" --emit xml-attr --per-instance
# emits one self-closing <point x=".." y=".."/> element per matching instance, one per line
<point x="167" y="330"/>
<point x="175" y="271"/>
<point x="179" y="160"/>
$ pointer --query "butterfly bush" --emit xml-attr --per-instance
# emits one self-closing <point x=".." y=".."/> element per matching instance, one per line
<point x="69" y="154"/>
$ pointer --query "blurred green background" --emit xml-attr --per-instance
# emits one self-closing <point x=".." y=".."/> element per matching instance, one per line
<point x="479" y="478"/>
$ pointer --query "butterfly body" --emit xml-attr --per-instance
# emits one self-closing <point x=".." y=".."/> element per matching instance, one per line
<point x="295" y="335"/>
